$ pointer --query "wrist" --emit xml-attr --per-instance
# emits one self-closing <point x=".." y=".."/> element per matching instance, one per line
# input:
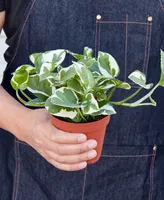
<point x="11" y="113"/>
<point x="18" y="126"/>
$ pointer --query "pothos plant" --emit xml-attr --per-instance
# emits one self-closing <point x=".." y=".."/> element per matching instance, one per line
<point x="81" y="92"/>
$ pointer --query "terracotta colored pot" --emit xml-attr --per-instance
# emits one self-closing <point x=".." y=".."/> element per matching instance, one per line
<point x="93" y="130"/>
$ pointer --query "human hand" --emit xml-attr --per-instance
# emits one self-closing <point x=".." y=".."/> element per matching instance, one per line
<point x="66" y="151"/>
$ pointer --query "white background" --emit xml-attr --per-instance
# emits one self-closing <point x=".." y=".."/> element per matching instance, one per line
<point x="3" y="47"/>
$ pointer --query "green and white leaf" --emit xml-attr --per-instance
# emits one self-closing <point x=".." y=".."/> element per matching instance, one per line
<point x="67" y="73"/>
<point x="139" y="78"/>
<point x="107" y="109"/>
<point x="104" y="83"/>
<point x="76" y="85"/>
<point x="100" y="80"/>
<point x="45" y="73"/>
<point x="41" y="89"/>
<point x="107" y="85"/>
<point x="161" y="82"/>
<point x="88" y="62"/>
<point x="33" y="57"/>
<point x="37" y="60"/>
<point x="85" y="76"/>
<point x="108" y="65"/>
<point x="21" y="76"/>
<point x="101" y="95"/>
<point x="57" y="56"/>
<point x="65" y="97"/>
<point x="92" y="105"/>
<point x="36" y="102"/>
<point x="75" y="55"/>
<point x="88" y="52"/>
<point x="59" y="110"/>
<point x="96" y="74"/>
<point x="59" y="67"/>
<point x="120" y="84"/>
<point x="30" y="69"/>
<point x="53" y="58"/>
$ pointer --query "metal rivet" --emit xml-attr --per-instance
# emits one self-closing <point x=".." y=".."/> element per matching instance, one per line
<point x="155" y="147"/>
<point x="150" y="18"/>
<point x="98" y="17"/>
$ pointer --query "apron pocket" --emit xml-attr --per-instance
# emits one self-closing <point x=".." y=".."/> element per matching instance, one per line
<point x="122" y="173"/>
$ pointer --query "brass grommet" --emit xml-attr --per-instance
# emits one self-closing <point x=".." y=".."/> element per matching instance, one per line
<point x="98" y="17"/>
<point x="150" y="18"/>
<point x="155" y="148"/>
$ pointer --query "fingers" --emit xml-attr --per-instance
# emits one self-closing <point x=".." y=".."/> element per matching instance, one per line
<point x="49" y="156"/>
<point x="62" y="137"/>
<point x="72" y="159"/>
<point x="68" y="167"/>
<point x="70" y="149"/>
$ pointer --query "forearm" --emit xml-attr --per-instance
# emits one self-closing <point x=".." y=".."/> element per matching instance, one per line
<point x="11" y="112"/>
<point x="2" y="19"/>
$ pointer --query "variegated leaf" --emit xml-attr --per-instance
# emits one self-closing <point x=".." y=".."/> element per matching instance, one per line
<point x="108" y="65"/>
<point x="21" y="76"/>
<point x="92" y="105"/>
<point x="107" y="109"/>
<point x="161" y="82"/>
<point x="65" y="97"/>
<point x="59" y="110"/>
<point x="41" y="89"/>
<point x="140" y="79"/>
<point x="67" y="73"/>
<point x="88" y="52"/>
<point x="85" y="76"/>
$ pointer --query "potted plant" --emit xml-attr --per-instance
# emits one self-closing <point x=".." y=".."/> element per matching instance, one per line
<point x="79" y="96"/>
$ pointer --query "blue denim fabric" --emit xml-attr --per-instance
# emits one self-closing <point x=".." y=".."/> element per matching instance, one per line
<point x="129" y="168"/>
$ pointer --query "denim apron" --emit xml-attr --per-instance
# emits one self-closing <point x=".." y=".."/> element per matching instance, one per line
<point x="131" y="164"/>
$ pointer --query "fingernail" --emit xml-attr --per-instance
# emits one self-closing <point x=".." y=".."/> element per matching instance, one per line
<point x="83" y="165"/>
<point x="81" y="138"/>
<point x="92" y="144"/>
<point x="92" y="154"/>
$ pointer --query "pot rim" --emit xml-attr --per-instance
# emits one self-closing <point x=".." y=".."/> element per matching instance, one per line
<point x="95" y="124"/>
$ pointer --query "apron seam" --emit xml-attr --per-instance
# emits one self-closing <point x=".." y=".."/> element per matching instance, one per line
<point x="21" y="33"/>
<point x="150" y="197"/>
<point x="146" y="46"/>
<point x="161" y="5"/>
<point x="17" y="171"/>
<point x="127" y="156"/>
<point x="126" y="45"/>
<point x="149" y="48"/>
<point x="84" y="183"/>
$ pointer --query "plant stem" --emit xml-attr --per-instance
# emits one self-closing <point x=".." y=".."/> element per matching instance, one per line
<point x="139" y="102"/>
<point x="111" y="93"/>
<point x="81" y="115"/>
<point x="133" y="105"/>
<point x="25" y="95"/>
<point x="20" y="98"/>
<point x="127" y="99"/>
